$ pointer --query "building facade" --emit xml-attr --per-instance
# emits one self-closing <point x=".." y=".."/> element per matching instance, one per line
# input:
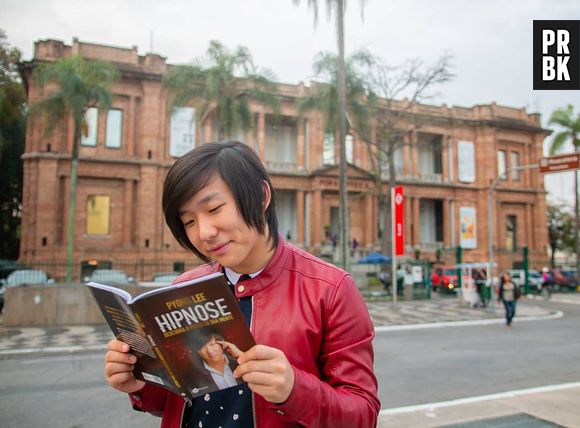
<point x="446" y="169"/>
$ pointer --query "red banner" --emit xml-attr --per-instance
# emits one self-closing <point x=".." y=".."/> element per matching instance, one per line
<point x="399" y="231"/>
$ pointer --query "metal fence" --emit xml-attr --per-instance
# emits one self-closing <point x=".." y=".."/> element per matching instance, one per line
<point x="366" y="276"/>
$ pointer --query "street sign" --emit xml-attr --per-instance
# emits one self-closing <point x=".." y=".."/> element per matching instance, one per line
<point x="560" y="163"/>
<point x="399" y="216"/>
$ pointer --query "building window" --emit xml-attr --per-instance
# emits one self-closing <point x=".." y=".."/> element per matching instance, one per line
<point x="514" y="164"/>
<point x="349" y="145"/>
<point x="89" y="135"/>
<point x="98" y="214"/>
<point x="430" y="157"/>
<point x="182" y="131"/>
<point x="328" y="149"/>
<point x="431" y="221"/>
<point x="280" y="145"/>
<point x="114" y="128"/>
<point x="501" y="164"/>
<point x="511" y="230"/>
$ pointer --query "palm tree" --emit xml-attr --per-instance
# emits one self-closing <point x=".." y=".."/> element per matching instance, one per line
<point x="341" y="89"/>
<point x="564" y="118"/>
<point x="222" y="84"/>
<point x="78" y="86"/>
<point x="359" y="95"/>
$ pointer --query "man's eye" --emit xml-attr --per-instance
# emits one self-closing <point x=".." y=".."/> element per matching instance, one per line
<point x="216" y="209"/>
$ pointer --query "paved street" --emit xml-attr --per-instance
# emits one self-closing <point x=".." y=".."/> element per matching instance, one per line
<point x="439" y="363"/>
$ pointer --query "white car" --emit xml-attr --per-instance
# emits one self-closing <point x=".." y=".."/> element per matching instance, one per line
<point x="534" y="277"/>
<point x="27" y="277"/>
<point x="109" y="277"/>
<point x="160" y="280"/>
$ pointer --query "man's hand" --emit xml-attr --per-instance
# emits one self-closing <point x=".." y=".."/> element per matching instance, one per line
<point x="267" y="372"/>
<point x="230" y="348"/>
<point x="119" y="364"/>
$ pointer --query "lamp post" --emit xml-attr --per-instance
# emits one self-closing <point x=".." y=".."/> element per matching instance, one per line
<point x="491" y="189"/>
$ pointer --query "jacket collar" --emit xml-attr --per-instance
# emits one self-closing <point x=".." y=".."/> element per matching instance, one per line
<point x="268" y="276"/>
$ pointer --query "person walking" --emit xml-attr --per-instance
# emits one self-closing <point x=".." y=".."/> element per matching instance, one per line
<point x="509" y="293"/>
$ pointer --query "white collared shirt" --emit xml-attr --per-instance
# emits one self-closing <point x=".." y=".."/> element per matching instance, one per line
<point x="224" y="380"/>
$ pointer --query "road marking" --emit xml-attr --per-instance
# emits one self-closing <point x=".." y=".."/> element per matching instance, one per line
<point x="445" y="324"/>
<point x="508" y="394"/>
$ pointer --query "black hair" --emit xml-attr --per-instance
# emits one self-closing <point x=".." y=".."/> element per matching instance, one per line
<point x="243" y="172"/>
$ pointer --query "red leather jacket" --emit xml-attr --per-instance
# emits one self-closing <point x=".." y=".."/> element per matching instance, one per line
<point x="313" y="312"/>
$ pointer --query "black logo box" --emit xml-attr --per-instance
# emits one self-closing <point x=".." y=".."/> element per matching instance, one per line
<point x="573" y="64"/>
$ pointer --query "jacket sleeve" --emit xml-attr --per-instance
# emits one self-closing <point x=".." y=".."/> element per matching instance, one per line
<point x="347" y="395"/>
<point x="150" y="399"/>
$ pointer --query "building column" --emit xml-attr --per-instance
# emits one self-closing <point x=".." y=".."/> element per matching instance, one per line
<point x="416" y="222"/>
<point x="444" y="158"/>
<point x="446" y="228"/>
<point x="130" y="126"/>
<point x="408" y="215"/>
<point x="299" y="216"/>
<point x="370" y="217"/>
<point x="316" y="222"/>
<point x="127" y="211"/>
<point x="407" y="161"/>
<point x="300" y="144"/>
<point x="262" y="135"/>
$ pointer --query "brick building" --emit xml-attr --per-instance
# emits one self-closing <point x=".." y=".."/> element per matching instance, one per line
<point x="446" y="169"/>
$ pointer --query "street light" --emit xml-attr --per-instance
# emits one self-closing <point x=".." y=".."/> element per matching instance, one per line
<point x="491" y="189"/>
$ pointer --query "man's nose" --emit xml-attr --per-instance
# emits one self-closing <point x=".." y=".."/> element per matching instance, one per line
<point x="206" y="227"/>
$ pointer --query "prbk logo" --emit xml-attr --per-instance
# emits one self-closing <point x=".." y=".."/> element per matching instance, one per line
<point x="557" y="55"/>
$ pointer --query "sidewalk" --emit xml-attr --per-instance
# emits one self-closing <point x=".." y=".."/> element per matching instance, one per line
<point x="555" y="406"/>
<point x="385" y="315"/>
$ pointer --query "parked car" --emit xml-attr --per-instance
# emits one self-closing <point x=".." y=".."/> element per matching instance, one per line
<point x="444" y="279"/>
<point x="23" y="277"/>
<point x="27" y="277"/>
<point x="564" y="278"/>
<point x="9" y="266"/>
<point x="109" y="276"/>
<point x="160" y="279"/>
<point x="534" y="277"/>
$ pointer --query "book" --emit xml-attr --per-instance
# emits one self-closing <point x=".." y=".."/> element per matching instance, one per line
<point x="181" y="334"/>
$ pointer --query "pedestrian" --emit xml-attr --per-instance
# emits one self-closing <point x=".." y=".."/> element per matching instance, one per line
<point x="509" y="293"/>
<point x="385" y="279"/>
<point x="313" y="362"/>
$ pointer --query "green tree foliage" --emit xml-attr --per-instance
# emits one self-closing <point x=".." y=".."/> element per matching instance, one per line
<point x="570" y="128"/>
<point x="221" y="86"/>
<point x="570" y="131"/>
<point x="73" y="85"/>
<point x="560" y="230"/>
<point x="12" y="121"/>
<point x="359" y="95"/>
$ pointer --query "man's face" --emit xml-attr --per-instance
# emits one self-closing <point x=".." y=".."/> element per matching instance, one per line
<point x="211" y="351"/>
<point x="216" y="228"/>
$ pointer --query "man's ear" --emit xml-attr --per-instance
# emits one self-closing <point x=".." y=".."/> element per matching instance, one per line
<point x="267" y="195"/>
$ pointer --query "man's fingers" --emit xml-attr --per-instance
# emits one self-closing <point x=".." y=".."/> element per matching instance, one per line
<point x="117" y="345"/>
<point x="112" y="369"/>
<point x="120" y="357"/>
<point x="259" y="352"/>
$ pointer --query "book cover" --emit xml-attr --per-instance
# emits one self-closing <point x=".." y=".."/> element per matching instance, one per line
<point x="181" y="334"/>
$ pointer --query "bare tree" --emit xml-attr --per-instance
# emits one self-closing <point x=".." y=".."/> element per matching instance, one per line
<point x="395" y="119"/>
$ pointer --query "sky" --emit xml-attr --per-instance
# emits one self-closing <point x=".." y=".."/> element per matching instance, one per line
<point x="490" y="40"/>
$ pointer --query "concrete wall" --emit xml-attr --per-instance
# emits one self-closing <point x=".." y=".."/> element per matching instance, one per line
<point x="53" y="305"/>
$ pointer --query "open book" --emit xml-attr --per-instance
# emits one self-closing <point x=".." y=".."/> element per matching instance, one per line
<point x="182" y="334"/>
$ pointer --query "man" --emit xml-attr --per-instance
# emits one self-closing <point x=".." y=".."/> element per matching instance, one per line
<point x="216" y="362"/>
<point x="313" y="362"/>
